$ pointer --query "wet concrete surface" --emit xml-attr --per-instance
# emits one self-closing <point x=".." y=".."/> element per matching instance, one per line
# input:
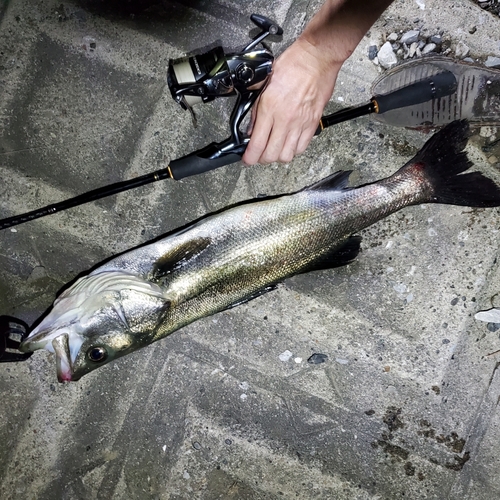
<point x="405" y="402"/>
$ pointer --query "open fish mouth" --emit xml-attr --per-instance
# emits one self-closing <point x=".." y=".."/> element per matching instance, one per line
<point x="58" y="343"/>
<point x="63" y="358"/>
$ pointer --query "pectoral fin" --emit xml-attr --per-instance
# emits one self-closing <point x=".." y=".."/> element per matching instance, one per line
<point x="177" y="257"/>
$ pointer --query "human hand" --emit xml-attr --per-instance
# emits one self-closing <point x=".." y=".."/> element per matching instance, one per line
<point x="288" y="112"/>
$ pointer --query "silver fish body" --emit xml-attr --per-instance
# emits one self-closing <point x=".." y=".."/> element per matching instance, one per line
<point x="233" y="256"/>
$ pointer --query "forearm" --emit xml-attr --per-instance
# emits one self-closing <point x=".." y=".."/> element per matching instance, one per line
<point x="338" y="27"/>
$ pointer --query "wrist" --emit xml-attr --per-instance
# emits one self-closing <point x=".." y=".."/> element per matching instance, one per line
<point x="338" y="27"/>
<point x="322" y="61"/>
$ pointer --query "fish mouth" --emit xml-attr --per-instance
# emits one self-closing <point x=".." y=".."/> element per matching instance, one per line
<point x="59" y="344"/>
<point x="63" y="358"/>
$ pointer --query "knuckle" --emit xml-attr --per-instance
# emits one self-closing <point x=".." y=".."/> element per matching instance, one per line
<point x="286" y="157"/>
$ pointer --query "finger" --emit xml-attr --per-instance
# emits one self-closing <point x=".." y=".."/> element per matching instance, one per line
<point x="304" y="140"/>
<point x="289" y="149"/>
<point x="275" y="145"/>
<point x="258" y="141"/>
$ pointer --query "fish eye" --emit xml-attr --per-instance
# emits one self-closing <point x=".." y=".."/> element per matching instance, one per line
<point x="97" y="354"/>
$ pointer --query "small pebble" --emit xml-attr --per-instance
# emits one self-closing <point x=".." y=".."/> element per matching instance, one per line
<point x="392" y="37"/>
<point x="317" y="358"/>
<point x="285" y="356"/>
<point x="196" y="445"/>
<point x="430" y="47"/>
<point x="386" y="56"/>
<point x="372" y="52"/>
<point x="437" y="39"/>
<point x="461" y="50"/>
<point x="490" y="316"/>
<point x="410" y="37"/>
<point x="413" y="49"/>
<point x="492" y="62"/>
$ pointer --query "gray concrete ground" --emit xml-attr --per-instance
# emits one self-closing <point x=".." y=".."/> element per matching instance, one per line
<point x="406" y="405"/>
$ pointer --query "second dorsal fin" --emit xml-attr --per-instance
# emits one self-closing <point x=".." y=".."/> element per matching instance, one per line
<point x="337" y="181"/>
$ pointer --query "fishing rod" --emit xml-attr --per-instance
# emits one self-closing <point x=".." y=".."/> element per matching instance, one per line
<point x="244" y="74"/>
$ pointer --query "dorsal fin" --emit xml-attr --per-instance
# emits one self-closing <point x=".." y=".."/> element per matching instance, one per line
<point x="177" y="257"/>
<point x="336" y="181"/>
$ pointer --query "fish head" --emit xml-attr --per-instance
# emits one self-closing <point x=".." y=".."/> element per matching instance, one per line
<point x="100" y="318"/>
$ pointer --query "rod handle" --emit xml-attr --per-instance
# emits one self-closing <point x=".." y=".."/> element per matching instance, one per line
<point x="208" y="158"/>
<point x="434" y="87"/>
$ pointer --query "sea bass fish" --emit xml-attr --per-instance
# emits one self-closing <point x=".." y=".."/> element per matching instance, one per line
<point x="235" y="255"/>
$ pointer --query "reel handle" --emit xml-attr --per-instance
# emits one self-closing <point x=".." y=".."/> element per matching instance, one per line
<point x="266" y="24"/>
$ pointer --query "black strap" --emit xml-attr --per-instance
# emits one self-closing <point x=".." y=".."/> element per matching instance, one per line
<point x="12" y="332"/>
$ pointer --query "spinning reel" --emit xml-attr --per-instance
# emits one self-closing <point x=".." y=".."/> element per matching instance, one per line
<point x="202" y="78"/>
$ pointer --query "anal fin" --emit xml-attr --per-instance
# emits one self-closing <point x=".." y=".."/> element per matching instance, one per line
<point x="339" y="256"/>
<point x="254" y="295"/>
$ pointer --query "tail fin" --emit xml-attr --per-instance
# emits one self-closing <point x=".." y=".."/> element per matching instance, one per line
<point x="443" y="159"/>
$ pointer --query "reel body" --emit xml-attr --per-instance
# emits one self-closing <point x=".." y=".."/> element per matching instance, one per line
<point x="204" y="77"/>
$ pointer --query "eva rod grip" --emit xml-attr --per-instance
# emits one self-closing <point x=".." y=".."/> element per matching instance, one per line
<point x="434" y="87"/>
<point x="203" y="160"/>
